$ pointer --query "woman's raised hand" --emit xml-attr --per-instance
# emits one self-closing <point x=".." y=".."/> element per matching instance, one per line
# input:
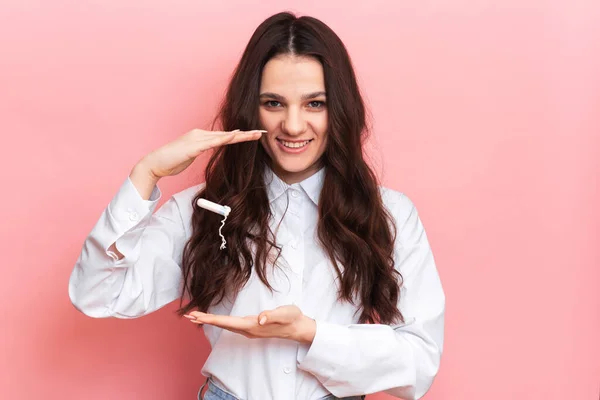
<point x="174" y="157"/>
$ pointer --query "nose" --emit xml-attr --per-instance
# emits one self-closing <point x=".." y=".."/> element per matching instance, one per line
<point x="293" y="124"/>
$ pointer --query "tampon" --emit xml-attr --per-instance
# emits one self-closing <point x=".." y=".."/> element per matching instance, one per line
<point x="219" y="209"/>
<point x="214" y="207"/>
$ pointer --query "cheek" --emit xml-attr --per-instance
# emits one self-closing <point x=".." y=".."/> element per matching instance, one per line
<point x="321" y="124"/>
<point x="268" y="120"/>
<point x="323" y="135"/>
<point x="323" y="146"/>
<point x="264" y="141"/>
<point x="268" y="144"/>
<point x="320" y="127"/>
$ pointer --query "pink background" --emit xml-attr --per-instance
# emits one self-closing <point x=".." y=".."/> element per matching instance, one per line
<point x="486" y="115"/>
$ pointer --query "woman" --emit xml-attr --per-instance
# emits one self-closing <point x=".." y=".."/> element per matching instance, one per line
<point x="327" y="287"/>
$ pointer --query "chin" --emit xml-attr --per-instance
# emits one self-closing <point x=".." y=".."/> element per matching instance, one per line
<point x="295" y="167"/>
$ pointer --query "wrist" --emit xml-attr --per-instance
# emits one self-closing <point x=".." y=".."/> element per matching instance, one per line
<point x="143" y="179"/>
<point x="307" y="330"/>
<point x="144" y="168"/>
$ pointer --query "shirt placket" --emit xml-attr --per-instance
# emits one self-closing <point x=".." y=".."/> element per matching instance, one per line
<point x="295" y="251"/>
<point x="295" y="258"/>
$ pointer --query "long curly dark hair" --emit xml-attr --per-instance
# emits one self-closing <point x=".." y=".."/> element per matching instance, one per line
<point x="354" y="228"/>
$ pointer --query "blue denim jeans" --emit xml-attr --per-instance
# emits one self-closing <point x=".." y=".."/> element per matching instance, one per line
<point x="214" y="392"/>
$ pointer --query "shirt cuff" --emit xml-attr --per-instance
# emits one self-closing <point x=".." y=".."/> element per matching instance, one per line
<point x="328" y="351"/>
<point x="128" y="208"/>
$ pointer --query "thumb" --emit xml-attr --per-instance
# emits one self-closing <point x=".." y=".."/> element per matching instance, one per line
<point x="280" y="315"/>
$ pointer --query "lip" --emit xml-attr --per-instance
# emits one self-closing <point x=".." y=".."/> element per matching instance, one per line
<point x="293" y="140"/>
<point x="296" y="150"/>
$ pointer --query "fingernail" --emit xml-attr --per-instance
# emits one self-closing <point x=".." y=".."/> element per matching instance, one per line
<point x="190" y="317"/>
<point x="262" y="320"/>
<point x="260" y="130"/>
<point x="237" y="130"/>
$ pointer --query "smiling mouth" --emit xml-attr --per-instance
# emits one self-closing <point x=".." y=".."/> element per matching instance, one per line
<point x="294" y="145"/>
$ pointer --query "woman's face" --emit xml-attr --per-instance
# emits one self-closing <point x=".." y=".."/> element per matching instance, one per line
<point x="293" y="112"/>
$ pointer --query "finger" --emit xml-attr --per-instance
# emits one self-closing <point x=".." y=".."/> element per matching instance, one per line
<point x="221" y="133"/>
<point x="239" y="332"/>
<point x="280" y="315"/>
<point x="251" y="131"/>
<point x="268" y="317"/>
<point x="243" y="333"/>
<point x="223" y="321"/>
<point x="246" y="137"/>
<point x="231" y="137"/>
<point x="217" y="140"/>
<point x="237" y="131"/>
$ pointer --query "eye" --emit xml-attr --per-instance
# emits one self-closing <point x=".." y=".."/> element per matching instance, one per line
<point x="272" y="103"/>
<point x="316" y="104"/>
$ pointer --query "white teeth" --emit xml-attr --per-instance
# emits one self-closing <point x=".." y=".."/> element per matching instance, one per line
<point x="295" y="145"/>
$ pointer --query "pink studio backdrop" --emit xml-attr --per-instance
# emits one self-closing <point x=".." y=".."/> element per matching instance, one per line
<point x="485" y="114"/>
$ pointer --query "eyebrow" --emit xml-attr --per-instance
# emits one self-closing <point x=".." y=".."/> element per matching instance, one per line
<point x="278" y="97"/>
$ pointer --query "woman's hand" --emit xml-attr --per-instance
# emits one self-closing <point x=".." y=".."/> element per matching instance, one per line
<point x="285" y="322"/>
<point x="176" y="156"/>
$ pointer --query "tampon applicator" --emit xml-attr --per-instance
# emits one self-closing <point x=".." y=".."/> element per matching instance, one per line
<point x="218" y="209"/>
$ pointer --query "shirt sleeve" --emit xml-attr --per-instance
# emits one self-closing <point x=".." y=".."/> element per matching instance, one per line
<point x="149" y="276"/>
<point x="403" y="359"/>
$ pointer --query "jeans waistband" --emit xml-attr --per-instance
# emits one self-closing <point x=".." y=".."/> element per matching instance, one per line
<point x="213" y="392"/>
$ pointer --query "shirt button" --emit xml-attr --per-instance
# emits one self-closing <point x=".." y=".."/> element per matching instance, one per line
<point x="294" y="193"/>
<point x="287" y="370"/>
<point x="294" y="245"/>
<point x="134" y="216"/>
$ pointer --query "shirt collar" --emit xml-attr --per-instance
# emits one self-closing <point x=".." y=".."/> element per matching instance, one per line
<point x="312" y="185"/>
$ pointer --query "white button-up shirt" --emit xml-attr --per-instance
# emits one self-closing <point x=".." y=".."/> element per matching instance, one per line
<point x="346" y="358"/>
